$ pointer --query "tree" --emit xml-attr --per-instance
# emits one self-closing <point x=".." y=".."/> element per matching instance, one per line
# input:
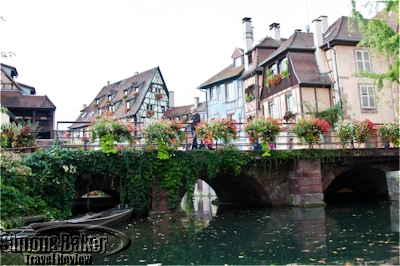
<point x="381" y="36"/>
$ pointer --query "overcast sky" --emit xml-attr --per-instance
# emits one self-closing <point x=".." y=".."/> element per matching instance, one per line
<point x="68" y="50"/>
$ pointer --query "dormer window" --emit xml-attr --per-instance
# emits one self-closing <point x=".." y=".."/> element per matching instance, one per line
<point x="109" y="97"/>
<point x="97" y="101"/>
<point x="237" y="61"/>
<point x="128" y="104"/>
<point x="111" y="108"/>
<point x="283" y="65"/>
<point x="250" y="59"/>
<point x="100" y="111"/>
<point x="84" y="114"/>
<point x="125" y="92"/>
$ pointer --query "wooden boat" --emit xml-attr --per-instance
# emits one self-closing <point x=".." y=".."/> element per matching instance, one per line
<point x="105" y="218"/>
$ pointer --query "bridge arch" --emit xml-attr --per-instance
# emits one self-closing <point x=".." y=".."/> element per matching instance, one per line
<point x="357" y="183"/>
<point x="103" y="182"/>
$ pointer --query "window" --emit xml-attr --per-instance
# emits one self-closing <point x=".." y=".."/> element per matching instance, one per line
<point x="237" y="62"/>
<point x="250" y="59"/>
<point x="109" y="97"/>
<point x="149" y="106"/>
<point x="289" y="102"/>
<point x="213" y="92"/>
<point x="273" y="69"/>
<point x="125" y="92"/>
<point x="229" y="91"/>
<point x="283" y="65"/>
<point x="162" y="109"/>
<point x="83" y="115"/>
<point x="100" y="111"/>
<point x="363" y="61"/>
<point x="367" y="96"/>
<point x="91" y="113"/>
<point x="97" y="101"/>
<point x="111" y="108"/>
<point x="272" y="109"/>
<point x="229" y="117"/>
<point x="128" y="104"/>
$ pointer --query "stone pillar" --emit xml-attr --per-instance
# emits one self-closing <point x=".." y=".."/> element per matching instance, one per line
<point x="305" y="184"/>
<point x="392" y="181"/>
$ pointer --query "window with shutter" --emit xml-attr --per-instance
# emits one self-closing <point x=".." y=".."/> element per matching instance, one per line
<point x="363" y="60"/>
<point x="367" y="96"/>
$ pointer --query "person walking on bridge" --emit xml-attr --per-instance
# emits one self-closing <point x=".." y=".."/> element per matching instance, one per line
<point x="194" y="119"/>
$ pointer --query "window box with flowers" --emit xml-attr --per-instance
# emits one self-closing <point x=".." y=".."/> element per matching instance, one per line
<point x="390" y="133"/>
<point x="165" y="134"/>
<point x="218" y="129"/>
<point x="263" y="131"/>
<point x="149" y="113"/>
<point x="21" y="135"/>
<point x="109" y="130"/>
<point x="135" y="93"/>
<point x="349" y="131"/>
<point x="158" y="96"/>
<point x="275" y="79"/>
<point x="311" y="130"/>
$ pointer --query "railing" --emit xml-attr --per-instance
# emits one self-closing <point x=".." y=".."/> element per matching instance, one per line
<point x="284" y="141"/>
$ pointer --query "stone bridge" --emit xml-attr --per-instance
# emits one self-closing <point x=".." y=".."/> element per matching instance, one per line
<point x="363" y="173"/>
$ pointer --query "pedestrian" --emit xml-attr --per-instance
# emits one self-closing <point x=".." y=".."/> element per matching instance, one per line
<point x="194" y="119"/>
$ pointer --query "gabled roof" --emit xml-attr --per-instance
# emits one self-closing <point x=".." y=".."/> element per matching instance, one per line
<point x="15" y="99"/>
<point x="262" y="51"/>
<point x="340" y="33"/>
<point x="180" y="111"/>
<point x="297" y="41"/>
<point x="237" y="52"/>
<point x="141" y="81"/>
<point x="7" y="68"/>
<point x="228" y="73"/>
<point x="306" y="70"/>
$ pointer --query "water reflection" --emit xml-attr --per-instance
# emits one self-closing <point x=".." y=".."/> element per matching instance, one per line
<point x="353" y="233"/>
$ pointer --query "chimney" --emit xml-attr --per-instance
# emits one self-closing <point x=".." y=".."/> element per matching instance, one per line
<point x="319" y="53"/>
<point x="196" y="102"/>
<point x="135" y="73"/>
<point x="275" y="27"/>
<point x="84" y="106"/>
<point x="324" y="20"/>
<point x="108" y="82"/>
<point x="247" y="39"/>
<point x="171" y="99"/>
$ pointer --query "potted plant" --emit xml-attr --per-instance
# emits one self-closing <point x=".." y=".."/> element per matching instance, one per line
<point x="68" y="134"/>
<point x="21" y="135"/>
<point x="218" y="129"/>
<point x="262" y="132"/>
<point x="349" y="131"/>
<point x="109" y="130"/>
<point x="390" y="133"/>
<point x="310" y="130"/>
<point x="166" y="134"/>
<point x="250" y="97"/>
<point x="288" y="115"/>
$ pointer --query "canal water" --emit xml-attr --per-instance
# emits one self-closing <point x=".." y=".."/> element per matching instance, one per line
<point x="354" y="233"/>
<point x="351" y="233"/>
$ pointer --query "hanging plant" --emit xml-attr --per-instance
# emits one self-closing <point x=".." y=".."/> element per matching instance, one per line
<point x="124" y="96"/>
<point x="135" y="93"/>
<point x="95" y="105"/>
<point x="311" y="130"/>
<point x="159" y="96"/>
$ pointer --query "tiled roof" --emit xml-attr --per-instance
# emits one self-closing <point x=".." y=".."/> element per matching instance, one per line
<point x="260" y="55"/>
<point x="340" y="30"/>
<point x="180" y="111"/>
<point x="306" y="70"/>
<point x="15" y="99"/>
<point x="227" y="73"/>
<point x="298" y="40"/>
<point x="141" y="80"/>
<point x="269" y="42"/>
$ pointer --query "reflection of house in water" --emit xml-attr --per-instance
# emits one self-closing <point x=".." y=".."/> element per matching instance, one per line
<point x="203" y="196"/>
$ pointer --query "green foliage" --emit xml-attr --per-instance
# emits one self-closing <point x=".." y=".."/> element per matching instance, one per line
<point x="331" y="115"/>
<point x="380" y="38"/>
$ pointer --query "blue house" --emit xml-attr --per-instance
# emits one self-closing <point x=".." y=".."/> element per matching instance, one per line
<point x="224" y="93"/>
